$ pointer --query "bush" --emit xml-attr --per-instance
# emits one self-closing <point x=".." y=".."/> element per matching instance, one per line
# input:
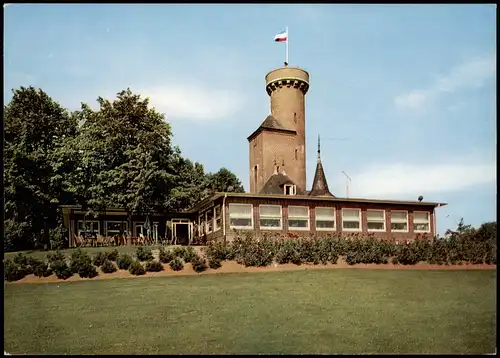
<point x="99" y="258"/>
<point x="352" y="258"/>
<point x="144" y="253"/>
<point x="406" y="255"/>
<point x="154" y="266"/>
<point x="166" y="256"/>
<point x="252" y="252"/>
<point x="13" y="271"/>
<point x="136" y="268"/>
<point x="199" y="264"/>
<point x="81" y="263"/>
<point x="189" y="254"/>
<point x="108" y="267"/>
<point x="176" y="264"/>
<point x="55" y="256"/>
<point x="42" y="270"/>
<point x="21" y="259"/>
<point x="112" y="255"/>
<point x="61" y="269"/>
<point x="218" y="250"/>
<point x="124" y="262"/>
<point x="214" y="263"/>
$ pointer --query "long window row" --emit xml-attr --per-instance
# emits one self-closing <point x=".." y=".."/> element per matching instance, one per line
<point x="210" y="221"/>
<point x="112" y="228"/>
<point x="271" y="218"/>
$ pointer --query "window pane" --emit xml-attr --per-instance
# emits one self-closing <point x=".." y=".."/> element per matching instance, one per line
<point x="270" y="222"/>
<point x="114" y="226"/>
<point x="375" y="225"/>
<point x="421" y="217"/>
<point x="350" y="213"/>
<point x="270" y="210"/>
<point x="325" y="213"/>
<point x="297" y="223"/>
<point x="324" y="224"/>
<point x="298" y="211"/>
<point x="399" y="215"/>
<point x="210" y="215"/>
<point x="217" y="211"/>
<point x="241" y="222"/>
<point x="218" y="223"/>
<point x="244" y="210"/>
<point x="421" y="227"/>
<point x="374" y="215"/>
<point x="351" y="225"/>
<point x="399" y="226"/>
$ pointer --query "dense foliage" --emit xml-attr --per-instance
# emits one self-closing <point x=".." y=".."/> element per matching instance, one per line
<point x="99" y="259"/>
<point x="112" y="255"/>
<point x="176" y="264"/>
<point x="108" y="267"/>
<point x="154" y="266"/>
<point x="166" y="255"/>
<point x="119" y="154"/>
<point x="144" y="253"/>
<point x="199" y="264"/>
<point x="137" y="269"/>
<point x="81" y="263"/>
<point x="124" y="261"/>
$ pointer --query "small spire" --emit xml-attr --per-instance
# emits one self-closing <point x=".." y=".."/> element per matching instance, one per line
<point x="319" y="150"/>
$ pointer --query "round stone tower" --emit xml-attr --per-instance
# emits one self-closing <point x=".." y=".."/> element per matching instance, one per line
<point x="287" y="87"/>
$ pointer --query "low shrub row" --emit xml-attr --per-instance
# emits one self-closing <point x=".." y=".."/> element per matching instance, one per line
<point x="262" y="251"/>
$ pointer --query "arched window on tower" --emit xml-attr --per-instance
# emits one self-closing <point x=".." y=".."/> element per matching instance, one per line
<point x="296" y="154"/>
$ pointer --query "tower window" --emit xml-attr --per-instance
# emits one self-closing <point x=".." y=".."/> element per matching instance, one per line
<point x="255" y="176"/>
<point x="296" y="154"/>
<point x="295" y="118"/>
<point x="290" y="189"/>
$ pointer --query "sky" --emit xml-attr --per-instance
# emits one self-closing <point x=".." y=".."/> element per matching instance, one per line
<point x="402" y="95"/>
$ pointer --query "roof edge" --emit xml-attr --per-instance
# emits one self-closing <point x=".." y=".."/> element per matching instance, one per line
<point x="260" y="129"/>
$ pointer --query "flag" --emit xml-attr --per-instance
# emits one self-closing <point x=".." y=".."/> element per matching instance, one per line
<point x="281" y="37"/>
<point x="147" y="226"/>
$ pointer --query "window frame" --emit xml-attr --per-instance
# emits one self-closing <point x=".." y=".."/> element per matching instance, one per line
<point x="407" y="220"/>
<point x="308" y="227"/>
<point x="243" y="217"/>
<point x="219" y="217"/>
<point x="114" y="232"/>
<point x="334" y="219"/>
<point x="209" y="229"/>
<point x="359" y="220"/>
<point x="428" y="222"/>
<point x="293" y="189"/>
<point x="88" y="221"/>
<point x="271" y="217"/>
<point x="378" y="220"/>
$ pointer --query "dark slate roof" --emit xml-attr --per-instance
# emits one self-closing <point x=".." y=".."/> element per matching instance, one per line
<point x="270" y="123"/>
<point x="320" y="186"/>
<point x="275" y="184"/>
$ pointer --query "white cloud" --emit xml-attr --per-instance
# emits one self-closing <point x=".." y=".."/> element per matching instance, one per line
<point x="472" y="74"/>
<point x="410" y="180"/>
<point x="196" y="102"/>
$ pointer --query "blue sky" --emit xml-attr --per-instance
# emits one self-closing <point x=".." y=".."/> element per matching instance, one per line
<point x="403" y="95"/>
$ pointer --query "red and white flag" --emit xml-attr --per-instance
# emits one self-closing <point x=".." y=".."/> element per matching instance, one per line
<point x="281" y="37"/>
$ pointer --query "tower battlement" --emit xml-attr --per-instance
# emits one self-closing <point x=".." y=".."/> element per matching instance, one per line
<point x="287" y="76"/>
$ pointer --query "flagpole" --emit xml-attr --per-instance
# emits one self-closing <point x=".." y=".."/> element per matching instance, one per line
<point x="286" y="48"/>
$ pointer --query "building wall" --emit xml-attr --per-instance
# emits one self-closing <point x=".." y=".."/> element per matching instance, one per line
<point x="388" y="234"/>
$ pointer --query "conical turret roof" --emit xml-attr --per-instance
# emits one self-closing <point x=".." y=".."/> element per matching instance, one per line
<point x="320" y="185"/>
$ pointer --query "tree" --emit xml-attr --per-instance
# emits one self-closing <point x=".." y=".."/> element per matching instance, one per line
<point x="35" y="128"/>
<point x="124" y="156"/>
<point x="223" y="181"/>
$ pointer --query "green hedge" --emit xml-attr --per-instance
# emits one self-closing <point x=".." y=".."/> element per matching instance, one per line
<point x="474" y="247"/>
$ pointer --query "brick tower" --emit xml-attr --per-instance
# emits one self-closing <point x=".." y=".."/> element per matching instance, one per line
<point x="279" y="142"/>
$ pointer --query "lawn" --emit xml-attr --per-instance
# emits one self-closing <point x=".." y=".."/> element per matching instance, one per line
<point x="316" y="311"/>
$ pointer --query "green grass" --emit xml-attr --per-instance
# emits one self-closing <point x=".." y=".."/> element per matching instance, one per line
<point x="316" y="311"/>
